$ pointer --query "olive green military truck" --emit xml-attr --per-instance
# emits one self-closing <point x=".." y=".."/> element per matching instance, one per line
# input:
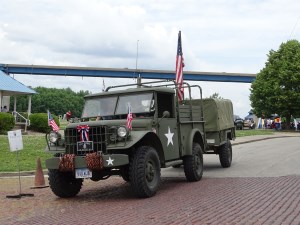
<point x="135" y="132"/>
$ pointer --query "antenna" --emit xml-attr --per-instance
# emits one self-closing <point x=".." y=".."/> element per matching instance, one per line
<point x="137" y="54"/>
<point x="294" y="28"/>
<point x="139" y="79"/>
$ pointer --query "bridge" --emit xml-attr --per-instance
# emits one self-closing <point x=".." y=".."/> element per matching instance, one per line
<point x="124" y="73"/>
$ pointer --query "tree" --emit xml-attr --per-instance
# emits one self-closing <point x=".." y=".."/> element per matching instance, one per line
<point x="215" y="95"/>
<point x="277" y="86"/>
<point x="57" y="101"/>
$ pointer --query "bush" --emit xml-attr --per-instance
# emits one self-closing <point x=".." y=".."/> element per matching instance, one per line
<point x="7" y="122"/>
<point x="39" y="122"/>
<point x="24" y="114"/>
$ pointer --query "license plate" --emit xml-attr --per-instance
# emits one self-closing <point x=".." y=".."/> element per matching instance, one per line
<point x="83" y="173"/>
<point x="85" y="146"/>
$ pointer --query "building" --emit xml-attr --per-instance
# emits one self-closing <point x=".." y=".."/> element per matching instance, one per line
<point x="9" y="87"/>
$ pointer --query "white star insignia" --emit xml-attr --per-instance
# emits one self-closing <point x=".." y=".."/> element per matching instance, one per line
<point x="109" y="161"/>
<point x="169" y="135"/>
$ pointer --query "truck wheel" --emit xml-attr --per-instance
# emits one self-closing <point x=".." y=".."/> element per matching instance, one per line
<point x="64" y="184"/>
<point x="124" y="173"/>
<point x="193" y="164"/>
<point x="225" y="154"/>
<point x="144" y="172"/>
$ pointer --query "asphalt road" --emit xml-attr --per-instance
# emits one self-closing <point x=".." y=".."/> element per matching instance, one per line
<point x="267" y="158"/>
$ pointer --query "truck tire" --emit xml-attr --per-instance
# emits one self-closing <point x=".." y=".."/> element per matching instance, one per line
<point x="225" y="154"/>
<point x="144" y="172"/>
<point x="124" y="173"/>
<point x="64" y="184"/>
<point x="193" y="164"/>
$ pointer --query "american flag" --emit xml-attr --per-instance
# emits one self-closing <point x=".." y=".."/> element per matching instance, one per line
<point x="129" y="118"/>
<point x="179" y="71"/>
<point x="51" y="122"/>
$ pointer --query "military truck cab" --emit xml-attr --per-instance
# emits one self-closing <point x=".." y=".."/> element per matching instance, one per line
<point x="135" y="132"/>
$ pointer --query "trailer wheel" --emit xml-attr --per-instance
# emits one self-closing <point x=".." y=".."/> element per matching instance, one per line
<point x="64" y="184"/>
<point x="193" y="164"/>
<point x="144" y="172"/>
<point x="225" y="154"/>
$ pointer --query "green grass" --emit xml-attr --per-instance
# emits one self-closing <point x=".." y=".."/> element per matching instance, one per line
<point x="33" y="147"/>
<point x="243" y="133"/>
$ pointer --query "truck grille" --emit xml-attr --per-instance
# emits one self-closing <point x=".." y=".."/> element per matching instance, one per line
<point x="96" y="135"/>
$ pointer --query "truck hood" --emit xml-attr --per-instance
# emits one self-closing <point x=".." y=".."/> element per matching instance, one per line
<point x="136" y="123"/>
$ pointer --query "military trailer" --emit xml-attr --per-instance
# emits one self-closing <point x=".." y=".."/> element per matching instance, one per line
<point x="135" y="132"/>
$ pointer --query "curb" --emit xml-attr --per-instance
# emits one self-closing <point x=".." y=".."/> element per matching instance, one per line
<point x="261" y="139"/>
<point x="22" y="174"/>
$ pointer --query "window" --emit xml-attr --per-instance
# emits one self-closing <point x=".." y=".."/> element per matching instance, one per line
<point x="104" y="106"/>
<point x="140" y="103"/>
<point x="165" y="102"/>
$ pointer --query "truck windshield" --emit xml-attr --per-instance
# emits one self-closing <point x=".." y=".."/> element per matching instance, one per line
<point x="140" y="103"/>
<point x="103" y="106"/>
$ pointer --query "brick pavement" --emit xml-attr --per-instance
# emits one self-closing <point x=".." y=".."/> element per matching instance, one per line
<point x="268" y="200"/>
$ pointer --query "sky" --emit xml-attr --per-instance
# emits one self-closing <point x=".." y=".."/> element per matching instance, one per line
<point x="217" y="36"/>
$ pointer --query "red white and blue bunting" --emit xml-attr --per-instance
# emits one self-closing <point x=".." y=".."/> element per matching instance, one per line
<point x="84" y="132"/>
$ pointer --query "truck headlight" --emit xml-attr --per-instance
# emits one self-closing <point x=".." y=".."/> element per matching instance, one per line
<point x="53" y="137"/>
<point x="122" y="131"/>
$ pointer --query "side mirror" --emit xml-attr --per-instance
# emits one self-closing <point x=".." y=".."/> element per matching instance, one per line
<point x="166" y="114"/>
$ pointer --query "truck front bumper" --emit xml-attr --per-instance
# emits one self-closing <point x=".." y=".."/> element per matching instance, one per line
<point x="109" y="161"/>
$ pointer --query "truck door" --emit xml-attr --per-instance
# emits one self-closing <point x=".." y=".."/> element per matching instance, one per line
<point x="167" y="129"/>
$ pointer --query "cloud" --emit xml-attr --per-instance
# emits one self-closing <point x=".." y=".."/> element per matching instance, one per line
<point x="218" y="36"/>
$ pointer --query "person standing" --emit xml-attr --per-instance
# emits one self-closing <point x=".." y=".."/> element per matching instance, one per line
<point x="277" y="123"/>
<point x="4" y="109"/>
<point x="68" y="115"/>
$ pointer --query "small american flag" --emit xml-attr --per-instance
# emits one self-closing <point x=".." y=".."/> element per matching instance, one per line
<point x="179" y="69"/>
<point x="129" y="118"/>
<point x="51" y="122"/>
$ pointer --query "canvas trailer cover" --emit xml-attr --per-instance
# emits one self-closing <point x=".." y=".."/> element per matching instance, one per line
<point x="217" y="113"/>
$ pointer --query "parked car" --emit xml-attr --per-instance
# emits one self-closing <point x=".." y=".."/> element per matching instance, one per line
<point x="249" y="124"/>
<point x="238" y="122"/>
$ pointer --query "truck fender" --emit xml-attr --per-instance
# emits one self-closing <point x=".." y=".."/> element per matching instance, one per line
<point x="147" y="138"/>
<point x="136" y="136"/>
<point x="194" y="136"/>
